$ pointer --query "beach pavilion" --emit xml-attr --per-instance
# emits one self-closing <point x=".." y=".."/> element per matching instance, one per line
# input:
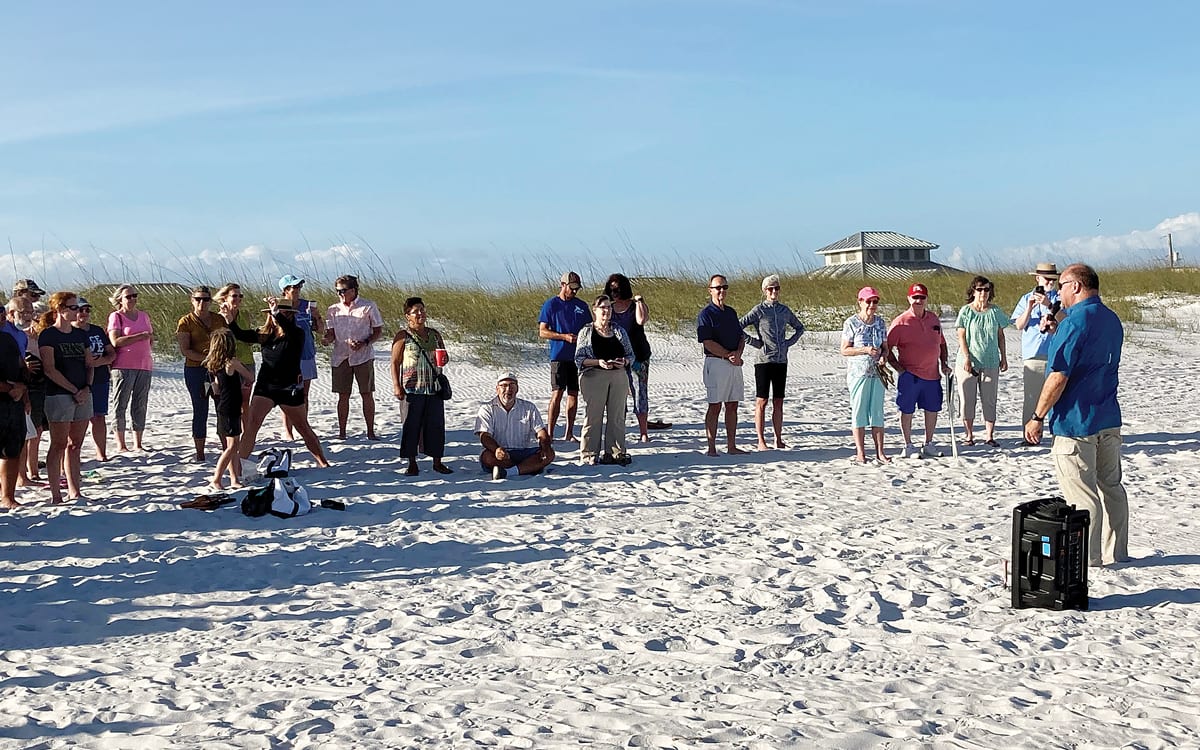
<point x="880" y="255"/>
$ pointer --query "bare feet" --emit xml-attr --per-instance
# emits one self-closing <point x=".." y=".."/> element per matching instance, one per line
<point x="779" y="443"/>
<point x="10" y="505"/>
<point x="569" y="438"/>
<point x="883" y="458"/>
<point x="733" y="450"/>
<point x="644" y="439"/>
<point x="711" y="452"/>
<point x="763" y="446"/>
<point x="372" y="436"/>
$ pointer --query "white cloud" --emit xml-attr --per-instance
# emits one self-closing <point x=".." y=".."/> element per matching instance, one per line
<point x="1136" y="248"/>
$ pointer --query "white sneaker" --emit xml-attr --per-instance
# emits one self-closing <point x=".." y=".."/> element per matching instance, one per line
<point x="910" y="451"/>
<point x="929" y="450"/>
<point x="499" y="472"/>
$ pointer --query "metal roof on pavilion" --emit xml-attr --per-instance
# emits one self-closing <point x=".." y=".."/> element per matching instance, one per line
<point x="861" y="242"/>
<point x="898" y="271"/>
<point x="877" y="241"/>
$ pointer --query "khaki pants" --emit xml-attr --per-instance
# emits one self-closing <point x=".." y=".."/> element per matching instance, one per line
<point x="1089" y="473"/>
<point x="1033" y="376"/>
<point x="985" y="388"/>
<point x="604" y="393"/>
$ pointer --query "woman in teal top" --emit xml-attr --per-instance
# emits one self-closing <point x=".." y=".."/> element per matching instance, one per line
<point x="981" y="357"/>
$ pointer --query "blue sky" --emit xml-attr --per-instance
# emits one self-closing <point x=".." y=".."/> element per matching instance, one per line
<point x="490" y="140"/>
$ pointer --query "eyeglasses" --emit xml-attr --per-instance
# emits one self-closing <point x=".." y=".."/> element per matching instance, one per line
<point x="604" y="307"/>
<point x="202" y="299"/>
<point x="343" y="291"/>
<point x="131" y="296"/>
<point x="74" y="308"/>
<point x="918" y="298"/>
<point x="1062" y="282"/>
<point x="720" y="287"/>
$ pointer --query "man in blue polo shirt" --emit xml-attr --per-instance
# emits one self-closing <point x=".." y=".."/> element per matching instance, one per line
<point x="1079" y="400"/>
<point x="563" y="316"/>
<point x="720" y="333"/>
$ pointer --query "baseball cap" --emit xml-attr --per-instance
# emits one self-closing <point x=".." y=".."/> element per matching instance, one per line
<point x="82" y="302"/>
<point x="918" y="289"/>
<point x="867" y="292"/>
<point x="28" y="285"/>
<point x="289" y="280"/>
<point x="506" y="376"/>
<point x="569" y="278"/>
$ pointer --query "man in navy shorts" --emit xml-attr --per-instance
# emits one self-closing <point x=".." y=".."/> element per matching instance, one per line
<point x="915" y="348"/>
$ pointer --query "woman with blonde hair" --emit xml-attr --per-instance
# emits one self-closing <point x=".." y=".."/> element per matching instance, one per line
<point x="132" y="334"/>
<point x="229" y="376"/>
<point x="192" y="334"/>
<point x="67" y="364"/>
<point x="229" y="301"/>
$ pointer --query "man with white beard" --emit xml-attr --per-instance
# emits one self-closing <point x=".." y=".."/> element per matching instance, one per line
<point x="512" y="432"/>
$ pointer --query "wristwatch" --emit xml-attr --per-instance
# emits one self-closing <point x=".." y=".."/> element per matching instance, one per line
<point x="1036" y="418"/>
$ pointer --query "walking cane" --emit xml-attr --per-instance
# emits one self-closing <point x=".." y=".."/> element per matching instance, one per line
<point x="950" y="409"/>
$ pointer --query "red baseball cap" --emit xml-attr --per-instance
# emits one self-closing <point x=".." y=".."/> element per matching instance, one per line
<point x="918" y="289"/>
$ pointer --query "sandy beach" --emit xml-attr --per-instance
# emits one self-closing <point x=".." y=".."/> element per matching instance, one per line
<point x="779" y="599"/>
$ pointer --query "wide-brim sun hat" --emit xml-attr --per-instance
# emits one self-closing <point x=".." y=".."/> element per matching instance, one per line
<point x="1049" y="270"/>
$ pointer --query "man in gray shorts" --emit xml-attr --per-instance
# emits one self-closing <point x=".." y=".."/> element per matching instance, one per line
<point x="352" y="325"/>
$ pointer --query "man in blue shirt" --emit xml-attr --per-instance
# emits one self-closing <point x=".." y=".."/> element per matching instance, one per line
<point x="1033" y="318"/>
<point x="720" y="333"/>
<point x="1079" y="400"/>
<point x="561" y="319"/>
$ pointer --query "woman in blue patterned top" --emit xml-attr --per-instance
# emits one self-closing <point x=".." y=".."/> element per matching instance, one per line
<point x="864" y="336"/>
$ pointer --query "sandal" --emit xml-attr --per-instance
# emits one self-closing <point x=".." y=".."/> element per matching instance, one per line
<point x="969" y="441"/>
<point x="658" y="424"/>
<point x="992" y="443"/>
<point x="442" y="469"/>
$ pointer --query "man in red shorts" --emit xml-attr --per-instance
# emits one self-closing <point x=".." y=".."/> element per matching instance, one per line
<point x="915" y="348"/>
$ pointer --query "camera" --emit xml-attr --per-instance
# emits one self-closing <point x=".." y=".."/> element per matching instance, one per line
<point x="1055" y="306"/>
<point x="1039" y="289"/>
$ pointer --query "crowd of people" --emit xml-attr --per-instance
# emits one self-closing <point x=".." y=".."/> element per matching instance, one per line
<point x="59" y="372"/>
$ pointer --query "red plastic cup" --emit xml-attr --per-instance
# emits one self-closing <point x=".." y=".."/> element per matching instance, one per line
<point x="441" y="357"/>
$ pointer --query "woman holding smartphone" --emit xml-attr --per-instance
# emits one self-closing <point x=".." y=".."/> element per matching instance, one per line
<point x="602" y="353"/>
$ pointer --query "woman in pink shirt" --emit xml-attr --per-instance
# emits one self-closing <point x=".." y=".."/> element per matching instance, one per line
<point x="131" y="334"/>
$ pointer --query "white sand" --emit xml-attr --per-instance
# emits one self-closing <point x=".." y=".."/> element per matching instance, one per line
<point x="782" y="598"/>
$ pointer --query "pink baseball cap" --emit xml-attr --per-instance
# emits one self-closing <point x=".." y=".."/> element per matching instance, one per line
<point x="867" y="292"/>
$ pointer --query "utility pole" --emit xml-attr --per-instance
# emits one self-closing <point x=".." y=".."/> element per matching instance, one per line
<point x="1170" y="252"/>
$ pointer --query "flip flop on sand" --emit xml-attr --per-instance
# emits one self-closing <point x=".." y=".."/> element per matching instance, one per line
<point x="658" y="424"/>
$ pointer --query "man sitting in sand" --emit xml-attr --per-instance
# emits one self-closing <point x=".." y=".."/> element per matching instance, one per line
<point x="512" y="432"/>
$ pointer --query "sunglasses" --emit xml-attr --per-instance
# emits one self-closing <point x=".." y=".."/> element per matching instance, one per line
<point x="983" y="289"/>
<point x="238" y="296"/>
<point x="85" y="308"/>
<point x="720" y="287"/>
<point x="873" y="301"/>
<point x="202" y="299"/>
<point x="131" y="296"/>
<point x="918" y="298"/>
<point x="70" y="307"/>
<point x="772" y="289"/>
<point x="344" y="291"/>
